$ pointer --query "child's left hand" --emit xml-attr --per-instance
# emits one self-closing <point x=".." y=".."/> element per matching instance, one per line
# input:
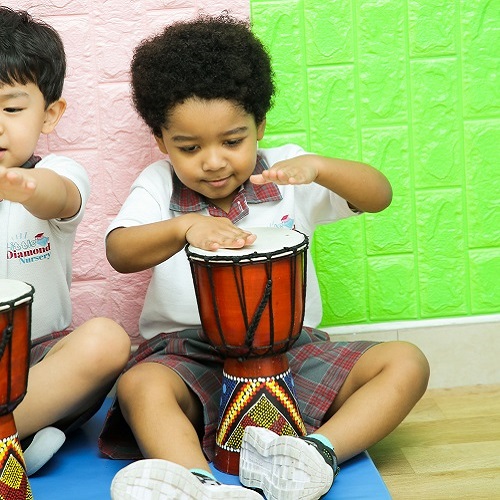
<point x="298" y="170"/>
<point x="16" y="184"/>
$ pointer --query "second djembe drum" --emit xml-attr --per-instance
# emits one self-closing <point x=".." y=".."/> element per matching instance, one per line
<point x="16" y="298"/>
<point x="251" y="304"/>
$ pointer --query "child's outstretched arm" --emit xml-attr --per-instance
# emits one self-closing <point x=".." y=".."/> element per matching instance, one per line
<point x="43" y="192"/>
<point x="136" y="248"/>
<point x="363" y="186"/>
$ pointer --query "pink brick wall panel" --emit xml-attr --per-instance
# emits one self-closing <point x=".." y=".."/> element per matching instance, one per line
<point x="85" y="294"/>
<point x="155" y="21"/>
<point x="124" y="299"/>
<point x="168" y="5"/>
<point x="238" y="8"/>
<point x="78" y="126"/>
<point x="116" y="35"/>
<point x="50" y="8"/>
<point x="125" y="144"/>
<point x="101" y="130"/>
<point x="89" y="257"/>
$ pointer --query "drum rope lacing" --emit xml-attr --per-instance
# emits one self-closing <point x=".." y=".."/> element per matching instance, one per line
<point x="238" y="262"/>
<point x="7" y="332"/>
<point x="6" y="339"/>
<point x="6" y="335"/>
<point x="254" y="323"/>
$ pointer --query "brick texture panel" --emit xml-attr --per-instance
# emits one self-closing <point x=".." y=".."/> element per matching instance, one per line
<point x="102" y="131"/>
<point x="410" y="86"/>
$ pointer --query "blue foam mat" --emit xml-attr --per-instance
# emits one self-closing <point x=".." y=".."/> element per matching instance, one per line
<point x="79" y="472"/>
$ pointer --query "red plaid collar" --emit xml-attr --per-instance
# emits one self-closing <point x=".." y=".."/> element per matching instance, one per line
<point x="186" y="200"/>
<point x="31" y="162"/>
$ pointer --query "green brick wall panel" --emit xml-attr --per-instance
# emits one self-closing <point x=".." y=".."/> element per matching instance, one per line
<point x="480" y="42"/>
<point x="410" y="86"/>
<point x="441" y="253"/>
<point x="436" y="123"/>
<point x="391" y="230"/>
<point x="432" y="27"/>
<point x="281" y="37"/>
<point x="388" y="150"/>
<point x="341" y="271"/>
<point x="273" y="140"/>
<point x="393" y="287"/>
<point x="482" y="154"/>
<point x="485" y="282"/>
<point x="328" y="32"/>
<point x="332" y="115"/>
<point x="381" y="62"/>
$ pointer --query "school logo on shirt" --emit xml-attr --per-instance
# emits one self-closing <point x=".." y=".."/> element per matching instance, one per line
<point x="286" y="222"/>
<point x="28" y="249"/>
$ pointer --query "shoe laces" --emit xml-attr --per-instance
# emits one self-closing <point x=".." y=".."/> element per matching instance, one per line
<point x="206" y="480"/>
<point x="326" y="452"/>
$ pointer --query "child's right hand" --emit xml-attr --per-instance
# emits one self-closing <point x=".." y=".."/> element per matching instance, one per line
<point x="16" y="184"/>
<point x="212" y="233"/>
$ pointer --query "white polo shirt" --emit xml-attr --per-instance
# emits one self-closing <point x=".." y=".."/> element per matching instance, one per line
<point x="170" y="302"/>
<point x="39" y="251"/>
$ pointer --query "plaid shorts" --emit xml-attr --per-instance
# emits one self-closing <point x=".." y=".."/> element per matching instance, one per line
<point x="319" y="368"/>
<point x="39" y="349"/>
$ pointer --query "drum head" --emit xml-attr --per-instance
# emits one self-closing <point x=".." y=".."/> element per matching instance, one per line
<point x="10" y="290"/>
<point x="269" y="240"/>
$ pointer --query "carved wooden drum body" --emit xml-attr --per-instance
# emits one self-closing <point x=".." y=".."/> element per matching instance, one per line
<point x="16" y="298"/>
<point x="251" y="304"/>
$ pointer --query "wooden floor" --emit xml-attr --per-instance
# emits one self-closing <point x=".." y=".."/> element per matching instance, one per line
<point x="447" y="448"/>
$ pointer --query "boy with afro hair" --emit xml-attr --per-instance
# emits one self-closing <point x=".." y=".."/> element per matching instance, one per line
<point x="204" y="88"/>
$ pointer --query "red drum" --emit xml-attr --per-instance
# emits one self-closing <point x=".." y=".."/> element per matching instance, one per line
<point x="251" y="304"/>
<point x="16" y="299"/>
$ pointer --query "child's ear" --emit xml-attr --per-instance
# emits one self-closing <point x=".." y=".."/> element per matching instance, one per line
<point x="53" y="114"/>
<point x="261" y="128"/>
<point x="161" y="144"/>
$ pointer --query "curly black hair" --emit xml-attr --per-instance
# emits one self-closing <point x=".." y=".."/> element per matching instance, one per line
<point x="31" y="51"/>
<point x="209" y="58"/>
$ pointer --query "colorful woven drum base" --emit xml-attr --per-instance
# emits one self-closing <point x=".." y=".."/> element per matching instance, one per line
<point x="14" y="484"/>
<point x="262" y="401"/>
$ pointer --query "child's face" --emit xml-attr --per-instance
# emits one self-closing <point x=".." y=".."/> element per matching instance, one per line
<point x="22" y="119"/>
<point x="212" y="145"/>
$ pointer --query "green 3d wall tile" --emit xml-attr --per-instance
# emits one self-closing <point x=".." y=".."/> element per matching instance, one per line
<point x="411" y="87"/>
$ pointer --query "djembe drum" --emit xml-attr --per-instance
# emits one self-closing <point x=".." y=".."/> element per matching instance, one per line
<point x="16" y="298"/>
<point x="251" y="305"/>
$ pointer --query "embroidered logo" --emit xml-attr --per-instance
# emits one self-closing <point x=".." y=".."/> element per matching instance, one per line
<point x="286" y="222"/>
<point x="27" y="250"/>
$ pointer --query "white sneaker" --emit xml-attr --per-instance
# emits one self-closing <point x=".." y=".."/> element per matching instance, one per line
<point x="154" y="479"/>
<point x="284" y="467"/>
<point x="46" y="442"/>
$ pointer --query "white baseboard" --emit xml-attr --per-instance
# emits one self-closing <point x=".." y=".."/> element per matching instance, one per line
<point x="461" y="351"/>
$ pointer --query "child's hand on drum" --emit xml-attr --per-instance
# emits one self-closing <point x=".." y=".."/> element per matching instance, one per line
<point x="16" y="184"/>
<point x="212" y="233"/>
<point x="298" y="170"/>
